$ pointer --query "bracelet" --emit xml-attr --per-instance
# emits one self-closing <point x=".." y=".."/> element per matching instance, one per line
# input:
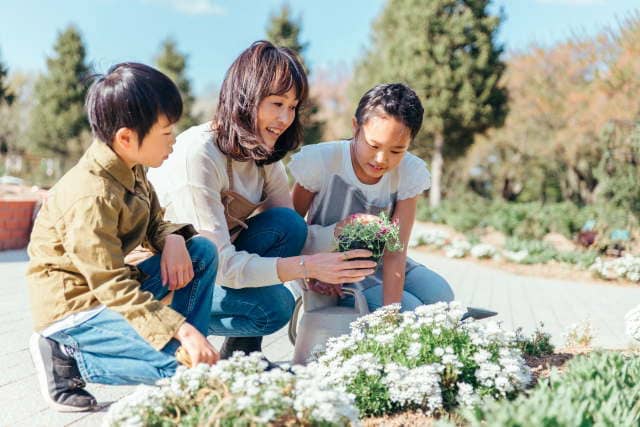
<point x="304" y="267"/>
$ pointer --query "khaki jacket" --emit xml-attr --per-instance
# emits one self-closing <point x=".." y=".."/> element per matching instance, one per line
<point x="93" y="217"/>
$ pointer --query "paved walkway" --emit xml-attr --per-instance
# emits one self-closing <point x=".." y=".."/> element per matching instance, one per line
<point x="521" y="301"/>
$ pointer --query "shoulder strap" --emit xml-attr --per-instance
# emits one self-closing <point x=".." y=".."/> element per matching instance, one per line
<point x="230" y="173"/>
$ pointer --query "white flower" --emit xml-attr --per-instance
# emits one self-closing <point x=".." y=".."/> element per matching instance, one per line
<point x="458" y="249"/>
<point x="483" y="250"/>
<point x="632" y="323"/>
<point x="414" y="350"/>
<point x="516" y="256"/>
<point x="626" y="267"/>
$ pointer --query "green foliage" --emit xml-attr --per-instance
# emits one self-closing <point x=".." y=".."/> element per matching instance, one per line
<point x="376" y="236"/>
<point x="539" y="344"/>
<point x="6" y="95"/>
<point x="447" y="51"/>
<point x="283" y="30"/>
<point x="526" y="221"/>
<point x="62" y="128"/>
<point x="173" y="63"/>
<point x="600" y="389"/>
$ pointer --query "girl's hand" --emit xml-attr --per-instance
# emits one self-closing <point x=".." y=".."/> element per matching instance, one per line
<point x="176" y="268"/>
<point x="325" y="288"/>
<point x="338" y="267"/>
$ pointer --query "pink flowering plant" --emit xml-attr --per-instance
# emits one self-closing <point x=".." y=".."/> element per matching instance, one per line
<point x="375" y="235"/>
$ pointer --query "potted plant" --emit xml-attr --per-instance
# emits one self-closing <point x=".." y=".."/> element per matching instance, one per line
<point x="376" y="235"/>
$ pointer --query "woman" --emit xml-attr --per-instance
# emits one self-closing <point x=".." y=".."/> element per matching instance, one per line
<point x="227" y="179"/>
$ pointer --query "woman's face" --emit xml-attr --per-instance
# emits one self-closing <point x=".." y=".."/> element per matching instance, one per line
<point x="275" y="115"/>
<point x="379" y="146"/>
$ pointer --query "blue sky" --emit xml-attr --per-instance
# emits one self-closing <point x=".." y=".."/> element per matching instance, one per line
<point x="213" y="32"/>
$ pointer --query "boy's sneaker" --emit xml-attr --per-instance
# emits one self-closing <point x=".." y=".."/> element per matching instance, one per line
<point x="60" y="381"/>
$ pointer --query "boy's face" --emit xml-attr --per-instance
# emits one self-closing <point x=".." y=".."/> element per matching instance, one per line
<point x="379" y="147"/>
<point x="155" y="147"/>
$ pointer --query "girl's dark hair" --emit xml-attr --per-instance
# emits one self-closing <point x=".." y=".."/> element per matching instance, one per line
<point x="130" y="95"/>
<point x="395" y="100"/>
<point x="261" y="70"/>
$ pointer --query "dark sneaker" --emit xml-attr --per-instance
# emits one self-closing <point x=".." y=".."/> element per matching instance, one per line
<point x="60" y="381"/>
<point x="247" y="345"/>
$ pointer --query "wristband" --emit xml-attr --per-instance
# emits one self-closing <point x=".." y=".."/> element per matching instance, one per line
<point x="304" y="267"/>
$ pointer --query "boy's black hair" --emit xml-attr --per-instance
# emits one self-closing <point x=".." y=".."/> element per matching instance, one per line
<point x="131" y="95"/>
<point x="396" y="100"/>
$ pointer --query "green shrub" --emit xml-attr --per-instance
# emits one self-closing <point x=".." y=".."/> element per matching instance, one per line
<point x="539" y="252"/>
<point x="538" y="344"/>
<point x="600" y="389"/>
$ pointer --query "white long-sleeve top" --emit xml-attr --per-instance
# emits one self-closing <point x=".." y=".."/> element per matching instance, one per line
<point x="188" y="185"/>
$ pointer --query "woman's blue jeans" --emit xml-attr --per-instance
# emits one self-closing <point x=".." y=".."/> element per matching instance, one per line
<point x="107" y="348"/>
<point x="253" y="312"/>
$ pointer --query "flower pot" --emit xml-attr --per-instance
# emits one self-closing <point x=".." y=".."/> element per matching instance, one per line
<point x="375" y="246"/>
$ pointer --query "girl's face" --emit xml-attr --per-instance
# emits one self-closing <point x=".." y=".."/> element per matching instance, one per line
<point x="378" y="147"/>
<point x="275" y="115"/>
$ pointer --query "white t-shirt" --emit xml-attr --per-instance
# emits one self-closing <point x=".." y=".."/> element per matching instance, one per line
<point x="188" y="186"/>
<point x="327" y="170"/>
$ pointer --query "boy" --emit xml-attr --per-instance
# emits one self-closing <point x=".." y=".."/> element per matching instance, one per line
<point x="97" y="318"/>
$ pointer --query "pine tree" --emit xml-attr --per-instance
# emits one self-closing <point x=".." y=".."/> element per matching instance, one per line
<point x="6" y="96"/>
<point x="447" y="51"/>
<point x="283" y="30"/>
<point x="60" y="127"/>
<point x="173" y="63"/>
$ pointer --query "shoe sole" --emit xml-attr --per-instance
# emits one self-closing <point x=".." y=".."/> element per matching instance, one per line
<point x="36" y="357"/>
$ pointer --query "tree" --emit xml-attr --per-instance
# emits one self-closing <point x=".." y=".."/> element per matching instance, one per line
<point x="6" y="96"/>
<point x="283" y="30"/>
<point x="60" y="127"/>
<point x="173" y="63"/>
<point x="447" y="51"/>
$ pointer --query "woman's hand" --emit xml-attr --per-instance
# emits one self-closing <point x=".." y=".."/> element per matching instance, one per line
<point x="338" y="267"/>
<point x="325" y="288"/>
<point x="176" y="268"/>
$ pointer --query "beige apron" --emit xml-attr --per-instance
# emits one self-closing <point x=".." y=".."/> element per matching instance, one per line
<point x="237" y="209"/>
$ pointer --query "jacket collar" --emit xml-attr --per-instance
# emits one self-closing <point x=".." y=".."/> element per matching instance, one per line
<point x="108" y="160"/>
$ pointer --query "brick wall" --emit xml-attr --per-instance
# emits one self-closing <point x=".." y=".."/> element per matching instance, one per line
<point x="16" y="220"/>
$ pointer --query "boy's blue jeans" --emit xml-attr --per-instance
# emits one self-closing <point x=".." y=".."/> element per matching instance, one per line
<point x="109" y="351"/>
<point x="253" y="312"/>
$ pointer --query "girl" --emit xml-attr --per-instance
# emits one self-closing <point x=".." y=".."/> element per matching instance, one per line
<point x="226" y="178"/>
<point x="371" y="173"/>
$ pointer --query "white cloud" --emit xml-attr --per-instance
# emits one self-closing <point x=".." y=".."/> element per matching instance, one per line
<point x="572" y="2"/>
<point x="192" y="7"/>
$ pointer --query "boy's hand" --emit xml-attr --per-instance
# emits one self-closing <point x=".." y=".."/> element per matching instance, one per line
<point x="176" y="268"/>
<point x="197" y="346"/>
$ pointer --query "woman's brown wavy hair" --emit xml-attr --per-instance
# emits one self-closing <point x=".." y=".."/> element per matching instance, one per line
<point x="261" y="70"/>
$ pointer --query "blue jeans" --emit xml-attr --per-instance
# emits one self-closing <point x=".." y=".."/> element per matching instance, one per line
<point x="107" y="348"/>
<point x="421" y="286"/>
<point x="253" y="312"/>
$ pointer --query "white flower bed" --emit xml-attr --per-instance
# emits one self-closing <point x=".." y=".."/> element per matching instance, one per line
<point x="516" y="256"/>
<point x="627" y="267"/>
<point x="424" y="359"/>
<point x="632" y="323"/>
<point x="457" y="249"/>
<point x="437" y="238"/>
<point x="483" y="251"/>
<point x="237" y="392"/>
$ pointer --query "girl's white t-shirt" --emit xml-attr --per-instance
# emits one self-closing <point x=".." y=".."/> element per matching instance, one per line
<point x="327" y="170"/>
